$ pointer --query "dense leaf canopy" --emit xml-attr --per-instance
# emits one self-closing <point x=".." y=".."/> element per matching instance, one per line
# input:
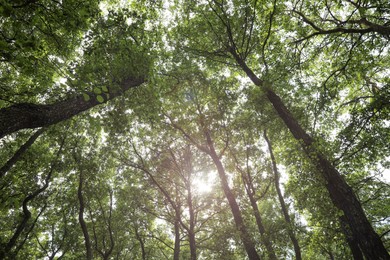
<point x="239" y="129"/>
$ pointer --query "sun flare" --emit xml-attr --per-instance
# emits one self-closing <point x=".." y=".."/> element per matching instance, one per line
<point x="204" y="182"/>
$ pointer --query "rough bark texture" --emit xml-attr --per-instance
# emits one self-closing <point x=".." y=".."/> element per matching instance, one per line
<point x="291" y="234"/>
<point x="8" y="165"/>
<point x="340" y="192"/>
<point x="353" y="245"/>
<point x="27" y="115"/>
<point x="239" y="221"/>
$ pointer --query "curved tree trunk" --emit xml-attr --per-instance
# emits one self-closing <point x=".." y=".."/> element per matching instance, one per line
<point x="27" y="115"/>
<point x="4" y="252"/>
<point x="340" y="192"/>
<point x="294" y="240"/>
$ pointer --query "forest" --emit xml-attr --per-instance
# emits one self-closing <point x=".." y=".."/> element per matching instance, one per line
<point x="209" y="129"/>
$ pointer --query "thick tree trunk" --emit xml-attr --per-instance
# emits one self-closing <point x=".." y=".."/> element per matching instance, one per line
<point x="294" y="240"/>
<point x="340" y="192"/>
<point x="26" y="115"/>
<point x="355" y="250"/>
<point x="239" y="221"/>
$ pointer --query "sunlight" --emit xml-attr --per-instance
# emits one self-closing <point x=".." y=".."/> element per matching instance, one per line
<point x="204" y="182"/>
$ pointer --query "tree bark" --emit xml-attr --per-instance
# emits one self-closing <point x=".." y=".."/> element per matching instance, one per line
<point x="27" y="115"/>
<point x="294" y="240"/>
<point x="355" y="250"/>
<point x="11" y="162"/>
<point x="340" y="192"/>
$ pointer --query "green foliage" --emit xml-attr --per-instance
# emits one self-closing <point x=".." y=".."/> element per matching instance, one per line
<point x="335" y="84"/>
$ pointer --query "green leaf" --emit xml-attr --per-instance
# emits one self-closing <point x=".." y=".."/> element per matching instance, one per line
<point x="86" y="97"/>
<point x="97" y="90"/>
<point x="105" y="89"/>
<point x="100" y="98"/>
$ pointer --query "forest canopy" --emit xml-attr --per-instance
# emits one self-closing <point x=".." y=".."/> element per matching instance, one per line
<point x="213" y="129"/>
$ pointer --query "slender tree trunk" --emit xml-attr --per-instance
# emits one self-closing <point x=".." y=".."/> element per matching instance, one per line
<point x="188" y="170"/>
<point x="112" y="241"/>
<point x="87" y="240"/>
<point x="260" y="225"/>
<point x="176" y="250"/>
<point x="191" y="231"/>
<point x="294" y="240"/>
<point x="141" y="242"/>
<point x="250" y="191"/>
<point x="340" y="192"/>
<point x="26" y="212"/>
<point x="239" y="221"/>
<point x="27" y="115"/>
<point x="15" y="158"/>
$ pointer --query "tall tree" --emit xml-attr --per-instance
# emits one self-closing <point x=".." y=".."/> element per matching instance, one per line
<point x="286" y="215"/>
<point x="236" y="44"/>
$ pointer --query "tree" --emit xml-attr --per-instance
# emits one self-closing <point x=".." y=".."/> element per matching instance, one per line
<point x="236" y="44"/>
<point x="136" y="130"/>
<point x="97" y="77"/>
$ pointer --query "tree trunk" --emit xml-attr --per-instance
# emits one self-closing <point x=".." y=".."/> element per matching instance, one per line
<point x="83" y="225"/>
<point x="26" y="212"/>
<point x="8" y="165"/>
<point x="260" y="226"/>
<point x="142" y="244"/>
<point x="294" y="240"/>
<point x="27" y="115"/>
<point x="340" y="192"/>
<point x="250" y="191"/>
<point x="355" y="250"/>
<point x="244" y="234"/>
<point x="176" y="250"/>
<point x="191" y="231"/>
